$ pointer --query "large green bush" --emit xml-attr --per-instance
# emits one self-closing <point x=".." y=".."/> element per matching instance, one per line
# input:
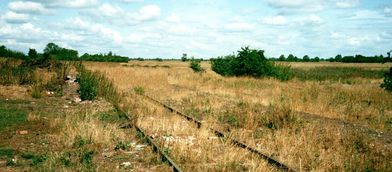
<point x="249" y="62"/>
<point x="387" y="85"/>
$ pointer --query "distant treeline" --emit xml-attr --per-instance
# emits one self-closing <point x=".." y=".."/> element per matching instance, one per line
<point x="110" y="57"/>
<point x="53" y="51"/>
<point x="339" y="58"/>
<point x="5" y="52"/>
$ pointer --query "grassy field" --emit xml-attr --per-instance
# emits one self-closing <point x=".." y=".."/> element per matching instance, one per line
<point x="330" y="117"/>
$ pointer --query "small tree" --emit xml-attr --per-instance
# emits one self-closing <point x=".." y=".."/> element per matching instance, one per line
<point x="33" y="54"/>
<point x="387" y="85"/>
<point x="282" y="58"/>
<point x="195" y="65"/>
<point x="184" y="57"/>
<point x="306" y="58"/>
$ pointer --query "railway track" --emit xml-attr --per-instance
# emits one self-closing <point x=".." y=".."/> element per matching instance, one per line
<point x="279" y="165"/>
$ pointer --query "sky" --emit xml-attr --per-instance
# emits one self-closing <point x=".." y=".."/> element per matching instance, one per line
<point x="200" y="28"/>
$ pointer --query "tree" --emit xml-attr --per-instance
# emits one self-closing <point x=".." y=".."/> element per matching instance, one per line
<point x="316" y="59"/>
<point x="32" y="54"/>
<point x="51" y="48"/>
<point x="306" y="58"/>
<point x="338" y="58"/>
<point x="184" y="57"/>
<point x="282" y="58"/>
<point x="290" y="58"/>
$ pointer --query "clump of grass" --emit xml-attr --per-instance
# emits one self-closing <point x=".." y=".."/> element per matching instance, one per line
<point x="80" y="141"/>
<point x="10" y="117"/>
<point x="36" y="159"/>
<point x="278" y="117"/>
<point x="36" y="92"/>
<point x="139" y="90"/>
<point x="86" y="159"/>
<point x="122" y="145"/>
<point x="7" y="152"/>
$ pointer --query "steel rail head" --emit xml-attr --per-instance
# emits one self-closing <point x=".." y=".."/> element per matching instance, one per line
<point x="237" y="143"/>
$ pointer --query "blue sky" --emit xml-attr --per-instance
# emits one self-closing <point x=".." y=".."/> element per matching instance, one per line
<point x="200" y="28"/>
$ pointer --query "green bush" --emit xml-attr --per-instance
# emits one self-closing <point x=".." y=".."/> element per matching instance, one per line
<point x="88" y="85"/>
<point x="249" y="62"/>
<point x="195" y="66"/>
<point x="387" y="85"/>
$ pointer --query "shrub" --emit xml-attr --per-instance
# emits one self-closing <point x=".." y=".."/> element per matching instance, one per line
<point x="195" y="65"/>
<point x="87" y="85"/>
<point x="249" y="62"/>
<point x="387" y="85"/>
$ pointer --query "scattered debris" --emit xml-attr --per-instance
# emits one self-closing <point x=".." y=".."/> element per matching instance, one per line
<point x="125" y="164"/>
<point x="77" y="100"/>
<point x="140" y="147"/>
<point x="22" y="132"/>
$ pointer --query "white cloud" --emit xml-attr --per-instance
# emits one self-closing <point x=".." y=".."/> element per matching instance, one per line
<point x="117" y="15"/>
<point x="148" y="12"/>
<point x="347" y="3"/>
<point x="12" y="17"/>
<point x="109" y="10"/>
<point x="68" y="3"/>
<point x="315" y="19"/>
<point x="239" y="27"/>
<point x="274" y="20"/>
<point x="132" y="1"/>
<point x="299" y="5"/>
<point x="388" y="11"/>
<point x="98" y="30"/>
<point x="174" y="18"/>
<point x="27" y="7"/>
<point x="366" y="14"/>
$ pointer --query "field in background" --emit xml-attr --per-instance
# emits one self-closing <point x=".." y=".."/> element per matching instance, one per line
<point x="316" y="121"/>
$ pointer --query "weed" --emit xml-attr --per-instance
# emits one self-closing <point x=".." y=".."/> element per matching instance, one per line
<point x="36" y="92"/>
<point x="80" y="141"/>
<point x="35" y="159"/>
<point x="139" y="90"/>
<point x="87" y="159"/>
<point x="7" y="152"/>
<point x="279" y="117"/>
<point x="121" y="145"/>
<point x="65" y="159"/>
<point x="229" y="119"/>
<point x="10" y="162"/>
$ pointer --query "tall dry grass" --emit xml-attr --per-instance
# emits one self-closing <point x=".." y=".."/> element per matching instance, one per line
<point x="247" y="107"/>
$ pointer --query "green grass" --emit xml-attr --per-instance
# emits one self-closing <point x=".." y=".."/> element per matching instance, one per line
<point x="336" y="73"/>
<point x="6" y="152"/>
<point x="10" y="117"/>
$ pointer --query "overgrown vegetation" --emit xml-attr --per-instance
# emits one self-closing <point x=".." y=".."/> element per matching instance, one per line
<point x="12" y="73"/>
<point x="93" y="84"/>
<point x="387" y="85"/>
<point x="195" y="66"/>
<point x="335" y="73"/>
<point x="249" y="62"/>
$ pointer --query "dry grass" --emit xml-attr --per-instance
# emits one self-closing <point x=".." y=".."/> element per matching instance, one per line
<point x="245" y="106"/>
